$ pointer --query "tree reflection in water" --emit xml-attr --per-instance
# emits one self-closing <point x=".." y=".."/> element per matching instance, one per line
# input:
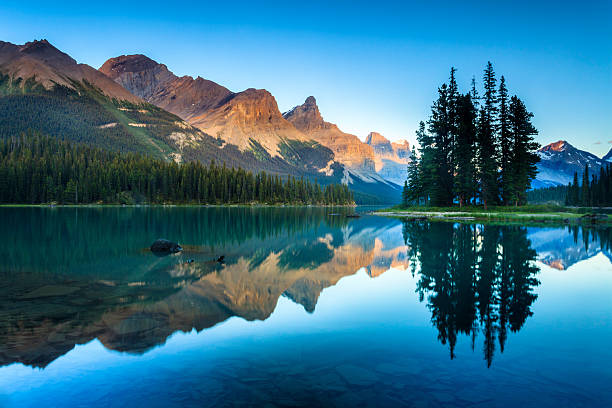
<point x="475" y="278"/>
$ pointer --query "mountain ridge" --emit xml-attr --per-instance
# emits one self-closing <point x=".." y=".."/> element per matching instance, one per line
<point x="251" y="120"/>
<point x="560" y="160"/>
<point x="44" y="90"/>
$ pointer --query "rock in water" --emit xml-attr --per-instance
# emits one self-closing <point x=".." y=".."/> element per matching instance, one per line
<point x="163" y="246"/>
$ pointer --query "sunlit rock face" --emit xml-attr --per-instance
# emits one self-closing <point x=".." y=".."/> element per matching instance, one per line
<point x="184" y="96"/>
<point x="248" y="116"/>
<point x="40" y="62"/>
<point x="251" y="121"/>
<point x="391" y="159"/>
<point x="236" y="118"/>
<point x="347" y="148"/>
<point x="240" y="118"/>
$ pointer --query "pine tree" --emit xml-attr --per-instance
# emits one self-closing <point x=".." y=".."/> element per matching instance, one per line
<point x="506" y="183"/>
<point x="585" y="193"/>
<point x="440" y="128"/>
<point x="426" y="168"/>
<point x="487" y="144"/>
<point x="405" y="194"/>
<point x="524" y="158"/>
<point x="465" y="170"/>
<point x="414" y="182"/>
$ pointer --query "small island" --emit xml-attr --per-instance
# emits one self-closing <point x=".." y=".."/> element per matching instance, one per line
<point x="477" y="161"/>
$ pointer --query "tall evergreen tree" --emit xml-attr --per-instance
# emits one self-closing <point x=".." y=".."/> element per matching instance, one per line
<point x="465" y="169"/>
<point x="585" y="191"/>
<point x="524" y="157"/>
<point x="440" y="128"/>
<point x="487" y="155"/>
<point x="505" y="142"/>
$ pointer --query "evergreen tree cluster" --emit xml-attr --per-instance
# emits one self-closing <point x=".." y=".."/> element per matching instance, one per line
<point x="473" y="149"/>
<point x="594" y="191"/>
<point x="38" y="169"/>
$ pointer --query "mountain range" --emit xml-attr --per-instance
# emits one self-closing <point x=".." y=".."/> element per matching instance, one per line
<point x="133" y="103"/>
<point x="560" y="160"/>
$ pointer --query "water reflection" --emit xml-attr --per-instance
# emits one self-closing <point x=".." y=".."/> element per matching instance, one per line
<point x="476" y="279"/>
<point x="76" y="274"/>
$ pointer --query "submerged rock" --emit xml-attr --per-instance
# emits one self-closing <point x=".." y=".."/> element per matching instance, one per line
<point x="163" y="246"/>
<point x="594" y="218"/>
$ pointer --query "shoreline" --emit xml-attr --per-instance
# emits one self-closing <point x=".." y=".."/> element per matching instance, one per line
<point x="516" y="217"/>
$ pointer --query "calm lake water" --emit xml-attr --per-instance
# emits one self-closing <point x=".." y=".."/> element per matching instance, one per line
<point x="308" y="309"/>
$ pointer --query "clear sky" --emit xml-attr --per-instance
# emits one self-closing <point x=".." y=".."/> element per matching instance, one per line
<point x="372" y="65"/>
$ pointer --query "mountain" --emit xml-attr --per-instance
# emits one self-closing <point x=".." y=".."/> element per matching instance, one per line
<point x="251" y="121"/>
<point x="247" y="117"/>
<point x="42" y="63"/>
<point x="608" y="157"/>
<point x="42" y="89"/>
<point x="560" y="160"/>
<point x="348" y="149"/>
<point x="391" y="159"/>
<point x="184" y="96"/>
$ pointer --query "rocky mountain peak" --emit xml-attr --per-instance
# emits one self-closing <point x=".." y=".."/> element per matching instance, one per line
<point x="306" y="117"/>
<point x="128" y="63"/>
<point x="47" y="53"/>
<point x="558" y="146"/>
<point x="40" y="61"/>
<point x="311" y="101"/>
<point x="257" y="104"/>
<point x="375" y="138"/>
<point x="154" y="82"/>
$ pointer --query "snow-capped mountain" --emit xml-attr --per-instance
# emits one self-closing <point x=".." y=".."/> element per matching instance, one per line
<point x="560" y="160"/>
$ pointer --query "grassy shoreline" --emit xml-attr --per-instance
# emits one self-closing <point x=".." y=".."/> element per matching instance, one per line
<point x="531" y="214"/>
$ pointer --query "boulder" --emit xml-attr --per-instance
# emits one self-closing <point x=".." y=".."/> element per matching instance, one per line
<point x="163" y="246"/>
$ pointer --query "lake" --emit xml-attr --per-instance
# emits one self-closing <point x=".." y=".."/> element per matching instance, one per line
<point x="309" y="308"/>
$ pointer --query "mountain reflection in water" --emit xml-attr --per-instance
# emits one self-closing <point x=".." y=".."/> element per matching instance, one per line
<point x="72" y="275"/>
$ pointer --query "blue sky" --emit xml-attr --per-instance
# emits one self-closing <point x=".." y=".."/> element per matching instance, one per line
<point x="373" y="66"/>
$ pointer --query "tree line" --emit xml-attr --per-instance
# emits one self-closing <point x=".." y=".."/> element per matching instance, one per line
<point x="473" y="149"/>
<point x="40" y="169"/>
<point x="589" y="190"/>
<point x="594" y="191"/>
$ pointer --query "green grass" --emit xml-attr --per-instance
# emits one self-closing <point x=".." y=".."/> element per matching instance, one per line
<point x="528" y="214"/>
<point x="531" y="208"/>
